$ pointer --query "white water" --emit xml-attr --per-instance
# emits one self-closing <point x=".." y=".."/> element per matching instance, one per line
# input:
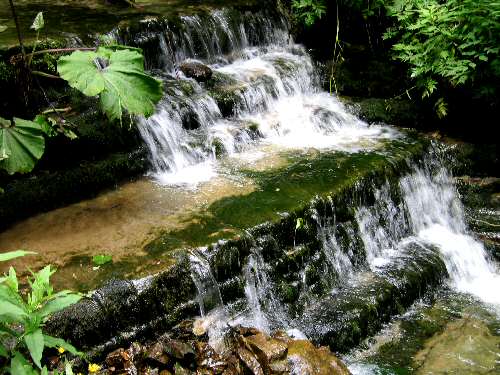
<point x="436" y="216"/>
<point x="432" y="215"/>
<point x="277" y="90"/>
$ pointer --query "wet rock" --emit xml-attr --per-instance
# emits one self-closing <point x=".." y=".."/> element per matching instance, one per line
<point x="305" y="359"/>
<point x="266" y="348"/>
<point x="196" y="70"/>
<point x="279" y="367"/>
<point x="156" y="355"/>
<point x="342" y="320"/>
<point x="177" y="349"/>
<point x="463" y="344"/>
<point x="249" y="361"/>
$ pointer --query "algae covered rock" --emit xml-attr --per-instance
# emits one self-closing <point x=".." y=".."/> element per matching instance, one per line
<point x="458" y="349"/>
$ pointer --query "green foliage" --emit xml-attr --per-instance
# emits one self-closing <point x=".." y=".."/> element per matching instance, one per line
<point x="309" y="11"/>
<point x="22" y="319"/>
<point x="3" y="28"/>
<point x="38" y="22"/>
<point x="21" y="145"/>
<point x="117" y="76"/>
<point x="101" y="259"/>
<point x="452" y="43"/>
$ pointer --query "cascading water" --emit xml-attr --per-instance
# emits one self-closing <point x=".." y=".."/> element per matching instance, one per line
<point x="264" y="93"/>
<point x="269" y="86"/>
<point x="437" y="217"/>
<point x="421" y="212"/>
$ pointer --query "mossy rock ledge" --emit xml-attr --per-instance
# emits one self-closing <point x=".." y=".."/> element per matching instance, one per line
<point x="126" y="311"/>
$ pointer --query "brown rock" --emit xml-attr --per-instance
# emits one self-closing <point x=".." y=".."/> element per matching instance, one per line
<point x="279" y="367"/>
<point x="266" y="348"/>
<point x="249" y="361"/>
<point x="178" y="349"/>
<point x="120" y="360"/>
<point x="305" y="359"/>
<point x="155" y="354"/>
<point x="196" y="70"/>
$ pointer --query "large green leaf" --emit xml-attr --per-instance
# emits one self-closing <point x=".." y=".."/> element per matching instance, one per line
<point x="35" y="343"/>
<point x="20" y="366"/>
<point x="3" y="28"/>
<point x="21" y="145"/>
<point x="117" y="76"/>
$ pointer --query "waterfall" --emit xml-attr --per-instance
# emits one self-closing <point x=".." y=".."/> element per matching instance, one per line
<point x="268" y="95"/>
<point x="430" y="214"/>
<point x="437" y="217"/>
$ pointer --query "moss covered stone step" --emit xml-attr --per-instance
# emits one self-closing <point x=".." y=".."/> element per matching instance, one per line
<point x="344" y="318"/>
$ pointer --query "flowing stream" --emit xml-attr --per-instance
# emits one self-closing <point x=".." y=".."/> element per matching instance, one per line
<point x="276" y="101"/>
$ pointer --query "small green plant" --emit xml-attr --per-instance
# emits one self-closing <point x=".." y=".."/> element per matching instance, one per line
<point x="309" y="11"/>
<point x="101" y="259"/>
<point x="448" y="44"/>
<point x="22" y="340"/>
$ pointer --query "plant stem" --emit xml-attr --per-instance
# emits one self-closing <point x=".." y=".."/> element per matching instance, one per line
<point x="42" y="74"/>
<point x="57" y="50"/>
<point x="56" y="110"/>
<point x="16" y="21"/>
<point x="34" y="47"/>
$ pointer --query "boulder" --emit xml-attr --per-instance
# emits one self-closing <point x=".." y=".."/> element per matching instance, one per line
<point x="196" y="70"/>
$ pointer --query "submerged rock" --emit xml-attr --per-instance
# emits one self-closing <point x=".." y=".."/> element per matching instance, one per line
<point x="196" y="70"/>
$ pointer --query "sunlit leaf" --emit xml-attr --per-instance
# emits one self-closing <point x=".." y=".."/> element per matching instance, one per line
<point x="117" y="76"/>
<point x="3" y="28"/>
<point x="39" y="22"/>
<point x="22" y="143"/>
<point x="35" y="343"/>
<point x="14" y="254"/>
<point x="58" y="303"/>
<point x="54" y="342"/>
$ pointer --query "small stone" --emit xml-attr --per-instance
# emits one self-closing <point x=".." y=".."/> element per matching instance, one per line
<point x="196" y="70"/>
<point x="279" y="367"/>
<point x="249" y="361"/>
<point x="117" y="358"/>
<point x="155" y="354"/>
<point x="177" y="349"/>
<point x="199" y="328"/>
